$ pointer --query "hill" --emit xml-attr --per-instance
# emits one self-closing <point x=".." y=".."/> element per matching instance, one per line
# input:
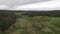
<point x="44" y="22"/>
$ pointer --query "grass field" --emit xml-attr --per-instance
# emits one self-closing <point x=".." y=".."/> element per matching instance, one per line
<point x="35" y="25"/>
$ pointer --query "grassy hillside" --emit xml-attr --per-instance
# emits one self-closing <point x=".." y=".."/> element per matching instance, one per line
<point x="37" y="25"/>
<point x="30" y="23"/>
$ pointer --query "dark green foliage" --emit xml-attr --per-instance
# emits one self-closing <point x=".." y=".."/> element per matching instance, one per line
<point x="55" y="13"/>
<point x="57" y="25"/>
<point x="6" y="20"/>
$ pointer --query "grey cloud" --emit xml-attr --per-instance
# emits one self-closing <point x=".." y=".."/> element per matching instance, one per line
<point x="19" y="2"/>
<point x="12" y="3"/>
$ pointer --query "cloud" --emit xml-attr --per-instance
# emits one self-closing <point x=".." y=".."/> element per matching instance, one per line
<point x="19" y="2"/>
<point x="48" y="5"/>
<point x="12" y="3"/>
<point x="3" y="7"/>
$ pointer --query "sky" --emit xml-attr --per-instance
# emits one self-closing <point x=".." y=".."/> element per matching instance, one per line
<point x="47" y="5"/>
<point x="30" y="4"/>
<point x="9" y="4"/>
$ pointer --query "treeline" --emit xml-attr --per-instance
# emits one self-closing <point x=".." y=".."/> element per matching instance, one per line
<point x="6" y="20"/>
<point x="43" y="13"/>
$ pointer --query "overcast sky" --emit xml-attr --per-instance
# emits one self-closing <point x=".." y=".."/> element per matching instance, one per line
<point x="11" y="3"/>
<point x="27" y="4"/>
<point x="19" y="2"/>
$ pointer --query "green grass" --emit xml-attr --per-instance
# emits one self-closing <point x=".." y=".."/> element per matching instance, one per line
<point x="36" y="25"/>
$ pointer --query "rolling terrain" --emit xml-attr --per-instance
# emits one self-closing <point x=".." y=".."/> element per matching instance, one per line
<point x="33" y="22"/>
